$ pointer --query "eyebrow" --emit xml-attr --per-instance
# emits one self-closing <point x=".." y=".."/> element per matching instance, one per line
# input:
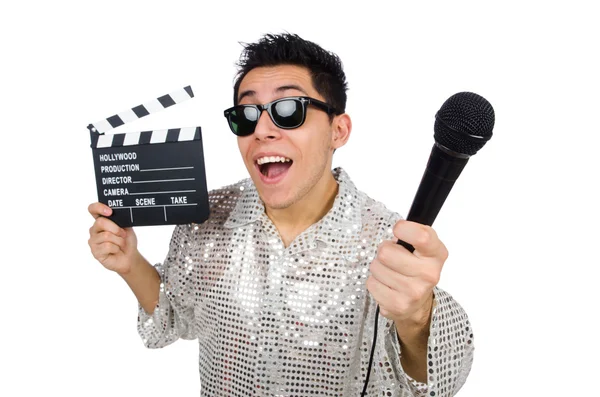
<point x="279" y="89"/>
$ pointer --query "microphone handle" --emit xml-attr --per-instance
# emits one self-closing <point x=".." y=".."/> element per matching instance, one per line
<point x="443" y="169"/>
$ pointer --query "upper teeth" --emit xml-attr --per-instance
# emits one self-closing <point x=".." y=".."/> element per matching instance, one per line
<point x="275" y="159"/>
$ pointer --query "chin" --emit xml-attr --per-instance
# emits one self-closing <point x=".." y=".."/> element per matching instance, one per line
<point x="276" y="202"/>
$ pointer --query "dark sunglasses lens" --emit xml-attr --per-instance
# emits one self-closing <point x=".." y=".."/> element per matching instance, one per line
<point x="243" y="120"/>
<point x="288" y="113"/>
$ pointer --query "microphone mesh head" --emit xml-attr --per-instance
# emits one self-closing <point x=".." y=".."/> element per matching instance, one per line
<point x="464" y="123"/>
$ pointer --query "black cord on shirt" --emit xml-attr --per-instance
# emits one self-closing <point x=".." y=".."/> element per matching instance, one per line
<point x="364" y="392"/>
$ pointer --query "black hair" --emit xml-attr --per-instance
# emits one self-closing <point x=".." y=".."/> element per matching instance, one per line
<point x="326" y="70"/>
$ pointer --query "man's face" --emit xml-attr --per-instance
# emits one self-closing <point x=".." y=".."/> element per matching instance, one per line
<point x="306" y="151"/>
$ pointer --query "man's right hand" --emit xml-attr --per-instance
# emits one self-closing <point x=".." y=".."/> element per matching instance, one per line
<point x="114" y="247"/>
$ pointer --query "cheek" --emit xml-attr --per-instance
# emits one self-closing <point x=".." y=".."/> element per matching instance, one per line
<point x="243" y="146"/>
<point x="321" y="146"/>
<point x="313" y="145"/>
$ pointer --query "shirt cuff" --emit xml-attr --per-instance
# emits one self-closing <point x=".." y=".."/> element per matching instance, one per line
<point x="152" y="327"/>
<point x="418" y="388"/>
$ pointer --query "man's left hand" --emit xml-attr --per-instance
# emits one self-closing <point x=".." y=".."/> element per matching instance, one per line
<point x="402" y="282"/>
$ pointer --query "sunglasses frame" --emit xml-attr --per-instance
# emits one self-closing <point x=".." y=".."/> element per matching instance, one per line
<point x="304" y="101"/>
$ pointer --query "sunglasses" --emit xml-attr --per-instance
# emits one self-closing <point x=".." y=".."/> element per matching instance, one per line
<point x="286" y="113"/>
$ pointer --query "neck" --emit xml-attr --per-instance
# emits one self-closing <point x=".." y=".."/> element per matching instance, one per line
<point x="296" y="218"/>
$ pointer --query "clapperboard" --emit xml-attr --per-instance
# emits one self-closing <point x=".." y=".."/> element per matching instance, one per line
<point x="150" y="177"/>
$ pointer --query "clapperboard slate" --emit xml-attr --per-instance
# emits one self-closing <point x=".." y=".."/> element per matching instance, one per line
<point x="150" y="177"/>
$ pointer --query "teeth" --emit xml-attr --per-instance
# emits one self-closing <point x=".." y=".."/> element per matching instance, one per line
<point x="272" y="159"/>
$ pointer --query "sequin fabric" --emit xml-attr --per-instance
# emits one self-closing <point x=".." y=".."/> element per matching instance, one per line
<point x="295" y="321"/>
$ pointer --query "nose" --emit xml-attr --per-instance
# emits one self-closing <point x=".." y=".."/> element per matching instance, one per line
<point x="265" y="129"/>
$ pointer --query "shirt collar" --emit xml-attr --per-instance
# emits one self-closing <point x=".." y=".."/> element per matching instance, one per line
<point x="248" y="207"/>
<point x="344" y="217"/>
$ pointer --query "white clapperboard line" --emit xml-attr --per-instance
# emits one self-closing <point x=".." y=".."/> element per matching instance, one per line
<point x="101" y="140"/>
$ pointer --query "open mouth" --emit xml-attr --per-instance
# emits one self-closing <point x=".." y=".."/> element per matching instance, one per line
<point x="272" y="167"/>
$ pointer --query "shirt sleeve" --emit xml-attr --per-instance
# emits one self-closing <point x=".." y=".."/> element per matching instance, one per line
<point x="173" y="316"/>
<point x="449" y="349"/>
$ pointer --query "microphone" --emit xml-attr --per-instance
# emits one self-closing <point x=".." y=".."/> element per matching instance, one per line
<point x="462" y="126"/>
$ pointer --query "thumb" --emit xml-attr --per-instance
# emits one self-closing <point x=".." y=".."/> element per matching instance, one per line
<point x="129" y="236"/>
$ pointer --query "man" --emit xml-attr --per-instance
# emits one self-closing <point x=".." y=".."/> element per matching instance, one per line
<point x="281" y="284"/>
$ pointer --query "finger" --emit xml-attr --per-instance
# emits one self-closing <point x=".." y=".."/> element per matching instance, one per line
<point x="422" y="237"/>
<point x="388" y="277"/>
<point x="382" y="294"/>
<point x="107" y="237"/>
<point x="399" y="259"/>
<point x="403" y="268"/>
<point x="103" y="250"/>
<point x="105" y="224"/>
<point x="99" y="209"/>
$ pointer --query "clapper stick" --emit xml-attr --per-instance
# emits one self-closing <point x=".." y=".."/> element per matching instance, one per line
<point x="150" y="177"/>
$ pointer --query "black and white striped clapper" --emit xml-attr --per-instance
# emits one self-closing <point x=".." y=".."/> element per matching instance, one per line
<point x="150" y="177"/>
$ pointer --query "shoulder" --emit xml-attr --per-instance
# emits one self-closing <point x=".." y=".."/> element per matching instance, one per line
<point x="225" y="198"/>
<point x="222" y="203"/>
<point x="375" y="217"/>
<point x="378" y="218"/>
<point x="376" y="211"/>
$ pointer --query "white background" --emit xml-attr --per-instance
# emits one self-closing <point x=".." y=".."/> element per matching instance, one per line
<point x="520" y="224"/>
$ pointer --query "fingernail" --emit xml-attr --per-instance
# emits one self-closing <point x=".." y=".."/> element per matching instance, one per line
<point x="106" y="211"/>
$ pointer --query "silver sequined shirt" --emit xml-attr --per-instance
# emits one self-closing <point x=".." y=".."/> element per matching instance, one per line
<point x="295" y="321"/>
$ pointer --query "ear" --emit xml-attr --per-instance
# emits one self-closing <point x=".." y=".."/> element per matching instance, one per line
<point x="342" y="127"/>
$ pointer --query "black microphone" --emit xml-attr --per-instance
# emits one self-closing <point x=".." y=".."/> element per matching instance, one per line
<point x="462" y="126"/>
